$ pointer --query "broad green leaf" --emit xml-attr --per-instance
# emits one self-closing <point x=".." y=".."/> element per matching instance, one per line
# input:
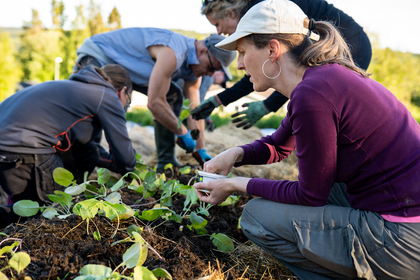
<point x="134" y="228"/>
<point x="185" y="170"/>
<point x="113" y="198"/>
<point x="26" y="208"/>
<point x="153" y="214"/>
<point x="201" y="231"/>
<point x="3" y="276"/>
<point x="86" y="208"/>
<point x="197" y="221"/>
<point x="132" y="256"/>
<point x="96" y="269"/>
<point x="142" y="273"/>
<point x="19" y="261"/>
<point x="63" y="177"/>
<point x="6" y="249"/>
<point x="118" y="185"/>
<point x="75" y="190"/>
<point x="231" y="200"/>
<point x="49" y="213"/>
<point x="222" y="242"/>
<point x="162" y="273"/>
<point x="138" y="238"/>
<point x="103" y="175"/>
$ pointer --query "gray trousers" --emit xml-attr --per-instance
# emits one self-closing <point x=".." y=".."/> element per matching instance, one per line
<point x="334" y="241"/>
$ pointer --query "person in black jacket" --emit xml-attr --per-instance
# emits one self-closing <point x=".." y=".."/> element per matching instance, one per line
<point x="225" y="15"/>
<point x="54" y="124"/>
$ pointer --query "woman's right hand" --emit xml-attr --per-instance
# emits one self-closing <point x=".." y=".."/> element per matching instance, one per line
<point x="222" y="163"/>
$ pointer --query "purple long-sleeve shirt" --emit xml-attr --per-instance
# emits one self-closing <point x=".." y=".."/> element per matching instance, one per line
<point x="345" y="128"/>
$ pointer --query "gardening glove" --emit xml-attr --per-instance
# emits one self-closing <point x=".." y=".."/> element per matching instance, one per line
<point x="209" y="125"/>
<point x="186" y="142"/>
<point x="204" y="110"/>
<point x="202" y="156"/>
<point x="247" y="118"/>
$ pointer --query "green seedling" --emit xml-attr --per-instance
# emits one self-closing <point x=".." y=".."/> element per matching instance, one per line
<point x="19" y="261"/>
<point x="222" y="242"/>
<point x="186" y="111"/>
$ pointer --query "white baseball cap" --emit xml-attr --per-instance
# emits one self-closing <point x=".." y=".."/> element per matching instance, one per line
<point x="269" y="17"/>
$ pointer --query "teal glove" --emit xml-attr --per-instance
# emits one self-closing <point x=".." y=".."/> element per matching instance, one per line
<point x="186" y="142"/>
<point x="202" y="156"/>
<point x="204" y="110"/>
<point x="247" y="118"/>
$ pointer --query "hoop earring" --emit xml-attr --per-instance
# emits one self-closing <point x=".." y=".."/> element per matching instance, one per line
<point x="268" y="77"/>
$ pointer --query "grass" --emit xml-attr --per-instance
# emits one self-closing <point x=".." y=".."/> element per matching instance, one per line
<point x="144" y="117"/>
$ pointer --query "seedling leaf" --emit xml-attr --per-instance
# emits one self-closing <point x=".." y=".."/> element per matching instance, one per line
<point x="103" y="175"/>
<point x="132" y="256"/>
<point x="155" y="213"/>
<point x="222" y="242"/>
<point x="96" y="269"/>
<point x="142" y="273"/>
<point x="63" y="177"/>
<point x="26" y="208"/>
<point x="97" y="235"/>
<point x="231" y="200"/>
<point x="3" y="276"/>
<point x="76" y="190"/>
<point x="162" y="273"/>
<point x="49" y="213"/>
<point x="113" y="198"/>
<point x="134" y="228"/>
<point x="20" y="261"/>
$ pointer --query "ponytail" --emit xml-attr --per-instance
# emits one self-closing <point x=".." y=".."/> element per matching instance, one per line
<point x="117" y="76"/>
<point x="330" y="48"/>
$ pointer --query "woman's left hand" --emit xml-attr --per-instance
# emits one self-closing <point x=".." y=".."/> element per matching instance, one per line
<point x="217" y="191"/>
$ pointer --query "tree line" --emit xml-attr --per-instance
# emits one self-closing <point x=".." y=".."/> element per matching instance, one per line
<point x="30" y="54"/>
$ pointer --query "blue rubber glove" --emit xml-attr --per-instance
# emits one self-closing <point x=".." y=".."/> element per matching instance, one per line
<point x="247" y="118"/>
<point x="186" y="142"/>
<point x="202" y="156"/>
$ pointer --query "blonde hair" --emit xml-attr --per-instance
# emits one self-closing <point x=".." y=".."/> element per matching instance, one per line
<point x="331" y="47"/>
<point x="220" y="8"/>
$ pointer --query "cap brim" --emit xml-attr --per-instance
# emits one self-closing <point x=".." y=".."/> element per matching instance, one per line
<point x="227" y="72"/>
<point x="229" y="43"/>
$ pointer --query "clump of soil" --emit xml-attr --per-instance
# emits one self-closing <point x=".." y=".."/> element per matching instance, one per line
<point x="60" y="248"/>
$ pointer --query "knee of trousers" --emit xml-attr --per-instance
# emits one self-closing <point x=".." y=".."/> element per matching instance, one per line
<point x="250" y="225"/>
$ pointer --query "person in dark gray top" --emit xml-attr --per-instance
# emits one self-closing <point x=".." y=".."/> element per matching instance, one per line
<point x="53" y="124"/>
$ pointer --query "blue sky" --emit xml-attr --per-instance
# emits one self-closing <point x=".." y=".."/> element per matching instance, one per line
<point x="395" y="22"/>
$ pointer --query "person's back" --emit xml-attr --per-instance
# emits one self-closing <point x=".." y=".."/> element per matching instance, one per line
<point x="370" y="140"/>
<point x="52" y="116"/>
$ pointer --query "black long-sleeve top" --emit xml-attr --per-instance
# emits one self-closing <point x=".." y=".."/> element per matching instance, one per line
<point x="318" y="10"/>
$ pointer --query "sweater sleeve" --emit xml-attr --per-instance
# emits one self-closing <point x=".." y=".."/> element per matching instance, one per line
<point x="312" y="122"/>
<point x="237" y="91"/>
<point x="121" y="152"/>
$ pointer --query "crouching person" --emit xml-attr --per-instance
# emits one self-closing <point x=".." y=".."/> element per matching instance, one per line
<point x="54" y="124"/>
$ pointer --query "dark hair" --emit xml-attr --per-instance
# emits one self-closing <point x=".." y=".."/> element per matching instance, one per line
<point x="117" y="76"/>
<point x="331" y="47"/>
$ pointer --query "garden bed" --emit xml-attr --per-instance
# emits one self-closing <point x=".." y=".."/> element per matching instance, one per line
<point x="60" y="248"/>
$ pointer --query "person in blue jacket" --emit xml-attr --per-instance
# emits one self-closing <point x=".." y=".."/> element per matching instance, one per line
<point x="54" y="124"/>
<point x="155" y="59"/>
<point x="225" y="15"/>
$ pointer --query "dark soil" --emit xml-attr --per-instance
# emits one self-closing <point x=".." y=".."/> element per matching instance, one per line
<point x="60" y="248"/>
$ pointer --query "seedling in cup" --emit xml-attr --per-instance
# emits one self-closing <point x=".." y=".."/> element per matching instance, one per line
<point x="206" y="177"/>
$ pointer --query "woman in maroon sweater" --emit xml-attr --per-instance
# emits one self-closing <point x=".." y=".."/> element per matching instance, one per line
<point x="345" y="128"/>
